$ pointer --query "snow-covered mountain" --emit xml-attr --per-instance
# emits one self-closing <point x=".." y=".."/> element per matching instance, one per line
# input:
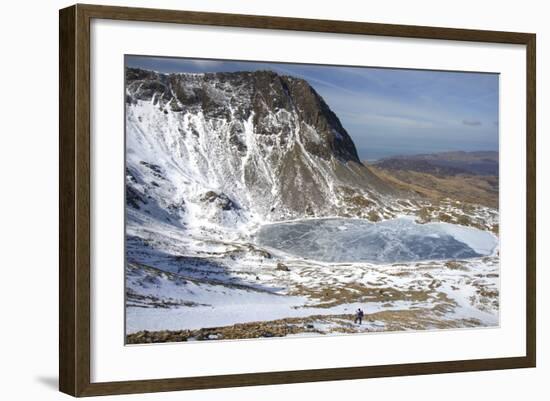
<point x="231" y="148"/>
<point x="213" y="159"/>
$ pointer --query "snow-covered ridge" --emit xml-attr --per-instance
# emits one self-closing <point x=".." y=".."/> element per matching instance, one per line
<point x="232" y="148"/>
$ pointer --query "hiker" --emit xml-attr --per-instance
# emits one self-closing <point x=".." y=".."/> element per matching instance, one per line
<point x="359" y="316"/>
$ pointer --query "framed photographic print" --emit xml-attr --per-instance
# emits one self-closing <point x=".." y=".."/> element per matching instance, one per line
<point x="295" y="200"/>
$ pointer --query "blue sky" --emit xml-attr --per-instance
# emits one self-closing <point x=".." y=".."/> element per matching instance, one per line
<point x="386" y="111"/>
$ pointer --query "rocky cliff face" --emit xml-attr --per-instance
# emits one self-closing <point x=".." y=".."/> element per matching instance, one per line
<point x="231" y="147"/>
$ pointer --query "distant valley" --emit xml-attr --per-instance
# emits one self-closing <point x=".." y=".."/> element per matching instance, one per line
<point x="465" y="176"/>
<point x="458" y="162"/>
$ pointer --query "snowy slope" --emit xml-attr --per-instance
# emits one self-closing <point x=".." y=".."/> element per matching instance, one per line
<point x="233" y="148"/>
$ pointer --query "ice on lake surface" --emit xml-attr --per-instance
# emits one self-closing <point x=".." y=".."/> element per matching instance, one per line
<point x="354" y="240"/>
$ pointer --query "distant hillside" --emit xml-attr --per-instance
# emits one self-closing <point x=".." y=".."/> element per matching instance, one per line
<point x="478" y="163"/>
<point x="464" y="176"/>
<point x="419" y="165"/>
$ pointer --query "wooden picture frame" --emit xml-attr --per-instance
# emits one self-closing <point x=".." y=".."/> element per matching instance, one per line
<point x="74" y="200"/>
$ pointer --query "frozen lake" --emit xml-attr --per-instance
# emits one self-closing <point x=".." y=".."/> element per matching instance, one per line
<point x="356" y="240"/>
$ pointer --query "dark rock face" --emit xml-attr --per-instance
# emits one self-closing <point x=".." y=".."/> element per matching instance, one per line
<point x="134" y="198"/>
<point x="273" y="135"/>
<point x="282" y="267"/>
<point x="268" y="93"/>
<point x="222" y="201"/>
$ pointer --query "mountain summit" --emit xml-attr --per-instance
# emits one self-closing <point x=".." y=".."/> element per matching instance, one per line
<point x="239" y="146"/>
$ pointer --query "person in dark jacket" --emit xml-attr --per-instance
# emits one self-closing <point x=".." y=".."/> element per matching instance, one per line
<point x="359" y="316"/>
